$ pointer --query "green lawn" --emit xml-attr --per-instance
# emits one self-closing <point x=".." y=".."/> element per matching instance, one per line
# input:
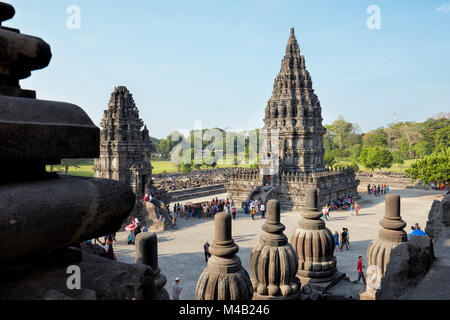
<point x="396" y="167"/>
<point x="86" y="170"/>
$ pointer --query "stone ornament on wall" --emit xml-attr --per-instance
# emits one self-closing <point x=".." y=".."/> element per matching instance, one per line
<point x="314" y="244"/>
<point x="274" y="262"/>
<point x="224" y="278"/>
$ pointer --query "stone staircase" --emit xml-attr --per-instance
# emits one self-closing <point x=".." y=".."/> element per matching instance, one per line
<point x="185" y="194"/>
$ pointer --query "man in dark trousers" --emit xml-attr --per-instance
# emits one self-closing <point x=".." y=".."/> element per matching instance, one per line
<point x="344" y="239"/>
<point x="360" y="267"/>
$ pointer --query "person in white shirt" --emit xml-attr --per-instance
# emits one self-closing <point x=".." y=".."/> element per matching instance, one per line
<point x="263" y="210"/>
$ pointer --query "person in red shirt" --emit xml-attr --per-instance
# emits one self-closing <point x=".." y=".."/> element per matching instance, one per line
<point x="360" y="268"/>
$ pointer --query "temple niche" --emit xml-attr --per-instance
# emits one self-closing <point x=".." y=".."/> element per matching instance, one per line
<point x="293" y="118"/>
<point x="125" y="147"/>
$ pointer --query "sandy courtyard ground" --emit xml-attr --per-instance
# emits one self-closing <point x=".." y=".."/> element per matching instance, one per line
<point x="181" y="255"/>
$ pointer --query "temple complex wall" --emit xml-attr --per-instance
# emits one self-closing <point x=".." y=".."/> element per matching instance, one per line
<point x="291" y="187"/>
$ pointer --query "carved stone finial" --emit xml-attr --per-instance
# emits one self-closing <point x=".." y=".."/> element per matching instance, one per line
<point x="19" y="55"/>
<point x="224" y="278"/>
<point x="274" y="262"/>
<point x="379" y="251"/>
<point x="7" y="11"/>
<point x="314" y="244"/>
<point x="147" y="253"/>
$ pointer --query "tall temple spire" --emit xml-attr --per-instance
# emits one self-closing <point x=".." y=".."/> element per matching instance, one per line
<point x="295" y="110"/>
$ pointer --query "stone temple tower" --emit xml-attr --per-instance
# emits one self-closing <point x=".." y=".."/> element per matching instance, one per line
<point x="294" y="109"/>
<point x="292" y="145"/>
<point x="125" y="148"/>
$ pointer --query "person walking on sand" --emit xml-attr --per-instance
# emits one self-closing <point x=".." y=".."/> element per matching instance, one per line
<point x="359" y="268"/>
<point x="233" y="210"/>
<point x="176" y="289"/>
<point x="357" y="208"/>
<point x="263" y="210"/>
<point x="336" y="240"/>
<point x="326" y="212"/>
<point x="344" y="239"/>
<point x="348" y="237"/>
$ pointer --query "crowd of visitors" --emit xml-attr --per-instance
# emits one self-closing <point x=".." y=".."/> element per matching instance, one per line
<point x="179" y="181"/>
<point x="340" y="204"/>
<point x="377" y="190"/>
<point x="255" y="207"/>
<point x="204" y="210"/>
<point x="439" y="186"/>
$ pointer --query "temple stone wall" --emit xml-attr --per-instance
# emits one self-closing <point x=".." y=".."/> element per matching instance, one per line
<point x="290" y="189"/>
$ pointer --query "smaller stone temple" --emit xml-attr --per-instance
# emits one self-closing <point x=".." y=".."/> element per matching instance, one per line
<point x="125" y="146"/>
<point x="293" y="148"/>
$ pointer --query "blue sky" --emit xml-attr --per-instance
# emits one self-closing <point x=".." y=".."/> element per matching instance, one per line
<point x="215" y="61"/>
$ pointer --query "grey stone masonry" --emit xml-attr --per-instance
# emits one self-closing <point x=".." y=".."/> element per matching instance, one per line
<point x="125" y="147"/>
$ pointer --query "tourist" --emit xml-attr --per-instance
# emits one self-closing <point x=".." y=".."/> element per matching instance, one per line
<point x="326" y="212"/>
<point x="336" y="240"/>
<point x="352" y="209"/>
<point x="176" y="289"/>
<point x="109" y="251"/>
<point x="359" y="268"/>
<point x="233" y="210"/>
<point x="387" y="189"/>
<point x="253" y="213"/>
<point x="357" y="208"/>
<point x="412" y="230"/>
<point x="369" y="189"/>
<point x="206" y="251"/>
<point x="348" y="237"/>
<point x="263" y="211"/>
<point x="417" y="232"/>
<point x="344" y="239"/>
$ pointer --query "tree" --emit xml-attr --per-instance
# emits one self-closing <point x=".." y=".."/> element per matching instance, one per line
<point x="375" y="138"/>
<point x="356" y="151"/>
<point x="442" y="139"/>
<point x="185" y="168"/>
<point x="377" y="157"/>
<point x="330" y="156"/>
<point x="67" y="163"/>
<point x="432" y="168"/>
<point x="341" y="135"/>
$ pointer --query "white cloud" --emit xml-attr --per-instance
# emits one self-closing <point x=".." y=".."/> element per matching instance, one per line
<point x="444" y="9"/>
